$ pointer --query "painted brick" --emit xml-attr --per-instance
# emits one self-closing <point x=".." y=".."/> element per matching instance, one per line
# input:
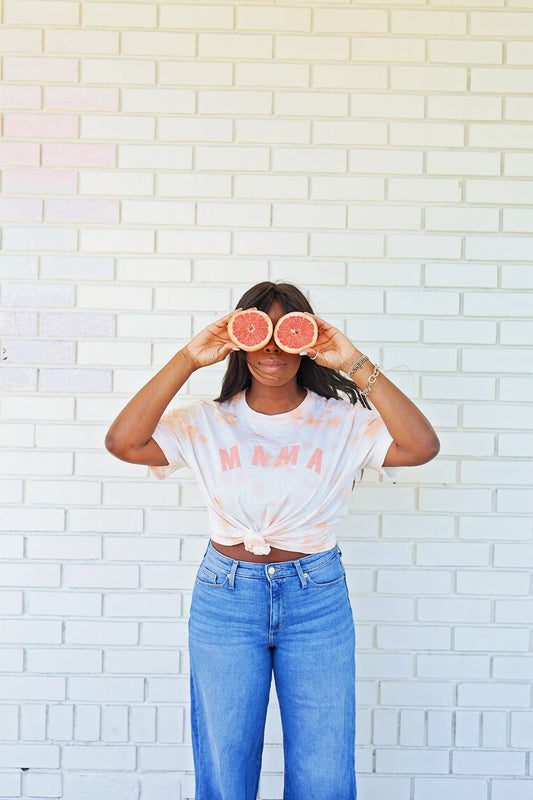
<point x="191" y="73"/>
<point x="385" y="162"/>
<point x="256" y="215"/>
<point x="519" y="788"/>
<point x="384" y="217"/>
<point x="217" y="101"/>
<point x="81" y="41"/>
<point x="19" y="154"/>
<point x="118" y="127"/>
<point x="498" y="23"/>
<point x="158" y="43"/>
<point x="464" y="107"/>
<point x="211" y="185"/>
<point x="80" y="98"/>
<point x="81" y="210"/>
<point x="13" y="40"/>
<point x="491" y="638"/>
<point x="36" y="756"/>
<point x="28" y="294"/>
<point x="79" y="155"/>
<point x="425" y="78"/>
<point x="45" y="126"/>
<point x="430" y="22"/>
<point x="424" y="189"/>
<point x="39" y="239"/>
<point x="114" y="296"/>
<point x="120" y="15"/>
<point x="441" y="787"/>
<point x="155" y="156"/>
<point x="77" y="324"/>
<point x="457" y="51"/>
<point x="34" y="12"/>
<point x="118" y="72"/>
<point x="116" y="183"/>
<point x="24" y="210"/>
<point x="20" y="96"/>
<point x="174" y="129"/>
<point x="319" y="104"/>
<point x="518" y="220"/>
<point x="34" y="68"/>
<point x="204" y="243"/>
<point x="31" y="351"/>
<point x="463" y="275"/>
<point x="463" y="218"/>
<point x="271" y="74"/>
<point x="189" y="16"/>
<point x="21" y="267"/>
<point x="387" y="49"/>
<point x="145" y="269"/>
<point x="121" y="240"/>
<point x="353" y="76"/>
<point x="45" y="181"/>
<point x="506" y="304"/>
<point x="38" y="408"/>
<point x="434" y="134"/>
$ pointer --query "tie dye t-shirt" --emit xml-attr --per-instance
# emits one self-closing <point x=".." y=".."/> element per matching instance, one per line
<point x="280" y="480"/>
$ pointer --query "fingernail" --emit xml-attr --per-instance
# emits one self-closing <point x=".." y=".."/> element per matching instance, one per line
<point x="303" y="353"/>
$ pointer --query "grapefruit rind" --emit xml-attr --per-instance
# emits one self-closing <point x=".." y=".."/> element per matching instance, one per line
<point x="296" y="331"/>
<point x="245" y="326"/>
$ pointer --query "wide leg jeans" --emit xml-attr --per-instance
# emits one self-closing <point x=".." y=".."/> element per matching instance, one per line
<point x="290" y="618"/>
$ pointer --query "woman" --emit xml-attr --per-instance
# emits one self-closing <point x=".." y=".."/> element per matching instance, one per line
<point x="275" y="456"/>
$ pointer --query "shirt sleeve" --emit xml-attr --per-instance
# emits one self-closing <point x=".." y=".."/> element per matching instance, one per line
<point x="167" y="436"/>
<point x="375" y="441"/>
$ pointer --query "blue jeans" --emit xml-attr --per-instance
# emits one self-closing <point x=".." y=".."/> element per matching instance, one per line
<point x="293" y="618"/>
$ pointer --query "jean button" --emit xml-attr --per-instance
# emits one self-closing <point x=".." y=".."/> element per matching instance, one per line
<point x="271" y="570"/>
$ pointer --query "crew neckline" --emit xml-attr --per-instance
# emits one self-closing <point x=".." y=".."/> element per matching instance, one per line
<point x="258" y="415"/>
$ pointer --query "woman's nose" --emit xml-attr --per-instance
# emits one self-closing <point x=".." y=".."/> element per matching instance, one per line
<point x="271" y="346"/>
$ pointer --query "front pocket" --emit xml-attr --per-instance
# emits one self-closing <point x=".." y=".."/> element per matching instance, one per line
<point x="208" y="577"/>
<point x="327" y="574"/>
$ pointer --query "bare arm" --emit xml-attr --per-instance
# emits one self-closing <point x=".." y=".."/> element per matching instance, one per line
<point x="130" y="436"/>
<point x="415" y="440"/>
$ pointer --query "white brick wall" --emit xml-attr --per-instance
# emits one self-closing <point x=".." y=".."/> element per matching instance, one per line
<point x="158" y="158"/>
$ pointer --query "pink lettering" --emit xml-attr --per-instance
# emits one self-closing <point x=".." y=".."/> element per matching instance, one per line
<point x="231" y="459"/>
<point x="259" y="457"/>
<point x="315" y="462"/>
<point x="286" y="457"/>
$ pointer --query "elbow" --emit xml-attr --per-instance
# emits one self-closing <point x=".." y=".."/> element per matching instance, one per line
<point x="431" y="449"/>
<point x="113" y="445"/>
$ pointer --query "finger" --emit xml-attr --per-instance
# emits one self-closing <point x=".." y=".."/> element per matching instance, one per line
<point x="226" y="318"/>
<point x="322" y="324"/>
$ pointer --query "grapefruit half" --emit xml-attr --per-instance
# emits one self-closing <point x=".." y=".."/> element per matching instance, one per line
<point x="296" y="331"/>
<point x="250" y="329"/>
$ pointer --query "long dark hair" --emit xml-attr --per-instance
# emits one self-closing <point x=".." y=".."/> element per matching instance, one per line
<point x="322" y="380"/>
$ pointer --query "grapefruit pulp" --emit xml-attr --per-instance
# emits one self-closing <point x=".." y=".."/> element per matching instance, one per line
<point x="250" y="329"/>
<point x="295" y="332"/>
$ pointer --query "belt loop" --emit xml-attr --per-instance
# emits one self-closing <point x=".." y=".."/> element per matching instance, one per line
<point x="231" y="574"/>
<point x="299" y="570"/>
<point x="338" y="549"/>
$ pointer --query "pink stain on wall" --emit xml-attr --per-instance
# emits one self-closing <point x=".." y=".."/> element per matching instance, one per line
<point x="19" y="154"/>
<point x="41" y="70"/>
<point x="41" y="126"/>
<point x="20" y="96"/>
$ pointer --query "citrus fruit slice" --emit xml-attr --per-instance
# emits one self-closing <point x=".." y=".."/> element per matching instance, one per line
<point x="295" y="332"/>
<point x="250" y="329"/>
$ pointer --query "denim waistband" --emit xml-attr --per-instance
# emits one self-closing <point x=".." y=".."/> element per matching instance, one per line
<point x="283" y="569"/>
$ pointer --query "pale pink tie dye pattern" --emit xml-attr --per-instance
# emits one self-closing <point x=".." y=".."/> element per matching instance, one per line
<point x="273" y="481"/>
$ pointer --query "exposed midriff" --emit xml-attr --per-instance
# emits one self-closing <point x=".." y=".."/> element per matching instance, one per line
<point x="239" y="553"/>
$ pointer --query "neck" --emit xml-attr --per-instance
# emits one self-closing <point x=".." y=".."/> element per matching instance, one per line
<point x="275" y="399"/>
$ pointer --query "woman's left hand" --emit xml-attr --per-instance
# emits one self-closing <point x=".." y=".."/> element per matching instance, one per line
<point x="333" y="348"/>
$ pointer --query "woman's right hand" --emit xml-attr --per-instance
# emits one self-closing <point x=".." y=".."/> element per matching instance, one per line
<point x="212" y="344"/>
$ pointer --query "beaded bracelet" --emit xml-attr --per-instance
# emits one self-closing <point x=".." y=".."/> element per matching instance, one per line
<point x="355" y="367"/>
<point x="371" y="381"/>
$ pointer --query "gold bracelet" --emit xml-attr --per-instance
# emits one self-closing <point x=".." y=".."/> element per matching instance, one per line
<point x="371" y="381"/>
<point x="359" y="363"/>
